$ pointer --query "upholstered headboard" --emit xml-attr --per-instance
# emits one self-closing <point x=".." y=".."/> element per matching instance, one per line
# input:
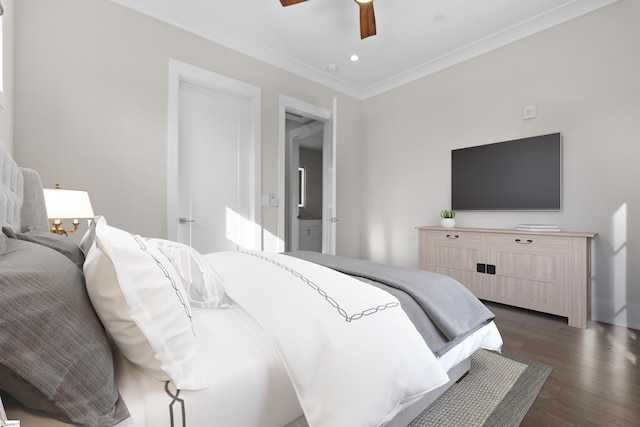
<point x="21" y="197"/>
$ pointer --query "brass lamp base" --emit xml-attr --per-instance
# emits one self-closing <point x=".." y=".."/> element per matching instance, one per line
<point x="58" y="228"/>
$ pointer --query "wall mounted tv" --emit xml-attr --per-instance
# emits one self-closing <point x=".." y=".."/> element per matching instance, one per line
<point x="523" y="174"/>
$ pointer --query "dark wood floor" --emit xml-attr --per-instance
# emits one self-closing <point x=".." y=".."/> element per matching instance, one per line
<point x="596" y="371"/>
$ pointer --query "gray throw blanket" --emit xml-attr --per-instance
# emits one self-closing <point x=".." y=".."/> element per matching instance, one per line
<point x="443" y="310"/>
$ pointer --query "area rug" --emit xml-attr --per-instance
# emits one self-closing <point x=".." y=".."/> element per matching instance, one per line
<point x="497" y="391"/>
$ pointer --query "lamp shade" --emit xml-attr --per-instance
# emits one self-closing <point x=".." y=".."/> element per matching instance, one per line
<point x="63" y="204"/>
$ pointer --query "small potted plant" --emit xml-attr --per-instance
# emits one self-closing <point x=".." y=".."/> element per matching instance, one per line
<point x="448" y="218"/>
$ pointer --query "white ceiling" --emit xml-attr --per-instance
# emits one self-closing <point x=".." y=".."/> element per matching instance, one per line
<point x="415" y="37"/>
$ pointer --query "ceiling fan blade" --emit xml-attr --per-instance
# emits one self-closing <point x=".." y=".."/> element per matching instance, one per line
<point x="367" y="20"/>
<point x="290" y="2"/>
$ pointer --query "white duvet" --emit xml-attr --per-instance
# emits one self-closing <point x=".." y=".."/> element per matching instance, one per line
<point x="353" y="356"/>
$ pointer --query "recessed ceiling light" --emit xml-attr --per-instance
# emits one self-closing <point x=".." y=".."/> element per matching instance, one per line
<point x="354" y="57"/>
<point x="332" y="67"/>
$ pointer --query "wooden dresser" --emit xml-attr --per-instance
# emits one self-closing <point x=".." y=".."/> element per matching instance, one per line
<point x="547" y="272"/>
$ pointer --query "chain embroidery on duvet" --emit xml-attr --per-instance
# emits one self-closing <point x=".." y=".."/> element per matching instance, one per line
<point x="172" y="409"/>
<point x="323" y="293"/>
<point x="185" y="305"/>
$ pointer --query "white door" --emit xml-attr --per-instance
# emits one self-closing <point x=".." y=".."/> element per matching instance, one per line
<point x="213" y="205"/>
<point x="212" y="129"/>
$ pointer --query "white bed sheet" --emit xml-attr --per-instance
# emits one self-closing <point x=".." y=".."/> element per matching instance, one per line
<point x="487" y="337"/>
<point x="248" y="385"/>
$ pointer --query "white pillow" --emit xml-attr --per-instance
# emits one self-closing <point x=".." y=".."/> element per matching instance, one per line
<point x="202" y="284"/>
<point x="139" y="298"/>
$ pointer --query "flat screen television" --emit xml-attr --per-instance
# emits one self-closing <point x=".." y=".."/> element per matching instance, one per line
<point x="523" y="174"/>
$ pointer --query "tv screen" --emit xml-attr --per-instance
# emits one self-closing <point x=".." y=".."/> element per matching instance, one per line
<point x="523" y="174"/>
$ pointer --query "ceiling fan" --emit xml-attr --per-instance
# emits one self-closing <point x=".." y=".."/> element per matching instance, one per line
<point x="367" y="17"/>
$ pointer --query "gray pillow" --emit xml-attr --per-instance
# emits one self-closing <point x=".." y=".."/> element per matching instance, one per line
<point x="54" y="354"/>
<point x="62" y="244"/>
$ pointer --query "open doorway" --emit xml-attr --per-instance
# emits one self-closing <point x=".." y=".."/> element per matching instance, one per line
<point x="306" y="177"/>
<point x="304" y="181"/>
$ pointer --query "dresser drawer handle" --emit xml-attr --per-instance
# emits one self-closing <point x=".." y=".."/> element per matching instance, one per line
<point x="453" y="237"/>
<point x="520" y="242"/>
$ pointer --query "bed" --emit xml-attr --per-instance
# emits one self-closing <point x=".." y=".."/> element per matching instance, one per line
<point x="132" y="331"/>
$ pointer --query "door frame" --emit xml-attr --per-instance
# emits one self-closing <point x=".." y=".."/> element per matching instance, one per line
<point x="328" y="118"/>
<point x="183" y="72"/>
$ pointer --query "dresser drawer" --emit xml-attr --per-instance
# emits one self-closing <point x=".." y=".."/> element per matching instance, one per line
<point x="531" y="242"/>
<point x="454" y="236"/>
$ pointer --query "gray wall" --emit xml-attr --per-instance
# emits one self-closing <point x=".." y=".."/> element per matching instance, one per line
<point x="583" y="77"/>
